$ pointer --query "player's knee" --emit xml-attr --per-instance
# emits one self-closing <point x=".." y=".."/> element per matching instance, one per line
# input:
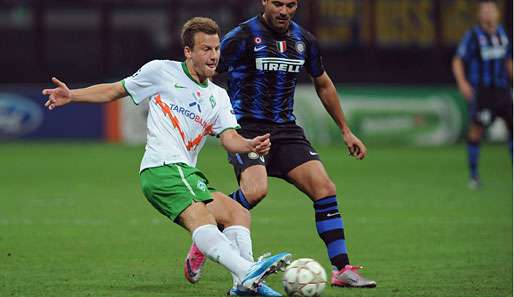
<point x="233" y="214"/>
<point x="239" y="216"/>
<point x="475" y="134"/>
<point x="325" y="189"/>
<point x="255" y="194"/>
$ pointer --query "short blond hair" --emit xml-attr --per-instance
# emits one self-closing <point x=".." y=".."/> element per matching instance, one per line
<point x="196" y="25"/>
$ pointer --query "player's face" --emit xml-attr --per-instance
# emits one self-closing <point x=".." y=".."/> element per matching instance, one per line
<point x="488" y="15"/>
<point x="205" y="54"/>
<point x="279" y="13"/>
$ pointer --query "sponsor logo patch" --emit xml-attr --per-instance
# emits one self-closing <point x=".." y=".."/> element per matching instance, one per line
<point x="279" y="64"/>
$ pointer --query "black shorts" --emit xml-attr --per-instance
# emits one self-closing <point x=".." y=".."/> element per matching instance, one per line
<point x="289" y="148"/>
<point x="490" y="103"/>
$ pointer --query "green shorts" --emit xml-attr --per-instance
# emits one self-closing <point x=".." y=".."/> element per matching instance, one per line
<point x="173" y="188"/>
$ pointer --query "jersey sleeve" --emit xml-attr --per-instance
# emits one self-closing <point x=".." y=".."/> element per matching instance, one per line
<point x="233" y="48"/>
<point x="466" y="46"/>
<point x="314" y="63"/>
<point x="143" y="83"/>
<point x="226" y="118"/>
<point x="509" y="48"/>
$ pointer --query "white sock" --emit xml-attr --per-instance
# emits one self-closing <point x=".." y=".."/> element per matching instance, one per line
<point x="240" y="237"/>
<point x="218" y="248"/>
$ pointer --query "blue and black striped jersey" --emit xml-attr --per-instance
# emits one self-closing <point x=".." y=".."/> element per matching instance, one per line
<point x="263" y="68"/>
<point x="485" y="57"/>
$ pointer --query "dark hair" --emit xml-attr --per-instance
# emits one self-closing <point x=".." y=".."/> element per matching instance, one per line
<point x="196" y="25"/>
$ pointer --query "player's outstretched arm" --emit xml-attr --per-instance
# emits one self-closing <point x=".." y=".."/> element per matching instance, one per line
<point x="328" y="95"/>
<point x="235" y="143"/>
<point x="101" y="93"/>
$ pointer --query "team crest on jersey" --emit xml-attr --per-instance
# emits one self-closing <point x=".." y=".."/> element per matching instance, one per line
<point x="300" y="47"/>
<point x="213" y="101"/>
<point x="282" y="46"/>
<point x="258" y="40"/>
<point x="253" y="156"/>
<point x="201" y="185"/>
<point x="197" y="105"/>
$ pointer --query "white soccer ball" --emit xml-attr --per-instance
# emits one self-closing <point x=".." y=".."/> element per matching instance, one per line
<point x="304" y="278"/>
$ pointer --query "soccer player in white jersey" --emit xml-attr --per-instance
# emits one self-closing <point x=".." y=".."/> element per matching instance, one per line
<point x="184" y="108"/>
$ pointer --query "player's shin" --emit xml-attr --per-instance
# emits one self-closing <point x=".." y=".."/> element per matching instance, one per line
<point x="218" y="248"/>
<point x="473" y="148"/>
<point x="329" y="225"/>
<point x="240" y="238"/>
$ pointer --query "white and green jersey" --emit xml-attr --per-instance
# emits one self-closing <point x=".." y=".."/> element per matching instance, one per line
<point x="182" y="112"/>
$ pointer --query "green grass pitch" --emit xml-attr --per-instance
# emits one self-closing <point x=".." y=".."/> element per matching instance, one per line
<point x="73" y="222"/>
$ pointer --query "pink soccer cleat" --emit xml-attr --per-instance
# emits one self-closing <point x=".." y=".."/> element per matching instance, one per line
<point x="193" y="264"/>
<point x="349" y="277"/>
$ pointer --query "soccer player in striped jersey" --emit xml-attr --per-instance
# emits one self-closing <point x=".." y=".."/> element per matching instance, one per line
<point x="263" y="58"/>
<point x="482" y="68"/>
<point x="184" y="108"/>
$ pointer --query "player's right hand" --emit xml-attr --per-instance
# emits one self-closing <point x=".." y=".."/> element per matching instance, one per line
<point x="261" y="144"/>
<point x="467" y="91"/>
<point x="355" y="146"/>
<point x="58" y="96"/>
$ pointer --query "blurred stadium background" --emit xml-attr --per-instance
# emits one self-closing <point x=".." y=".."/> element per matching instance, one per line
<point x="69" y="178"/>
<point x="393" y="55"/>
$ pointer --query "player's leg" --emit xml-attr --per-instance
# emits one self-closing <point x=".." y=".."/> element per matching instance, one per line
<point x="236" y="219"/>
<point x="312" y="179"/>
<point x="180" y="192"/>
<point x="210" y="241"/>
<point x="236" y="222"/>
<point x="176" y="191"/>
<point x="250" y="169"/>
<point x="475" y="133"/>
<point x="230" y="214"/>
<point x="479" y="117"/>
<point x="251" y="173"/>
<point x="295" y="160"/>
<point x="201" y="223"/>
<point x="253" y="186"/>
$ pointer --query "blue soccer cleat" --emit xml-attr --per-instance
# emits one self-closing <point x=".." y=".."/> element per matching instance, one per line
<point x="261" y="290"/>
<point x="261" y="269"/>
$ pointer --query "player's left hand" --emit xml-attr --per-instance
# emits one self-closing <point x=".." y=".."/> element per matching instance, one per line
<point x="355" y="146"/>
<point x="261" y="144"/>
<point x="59" y="96"/>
